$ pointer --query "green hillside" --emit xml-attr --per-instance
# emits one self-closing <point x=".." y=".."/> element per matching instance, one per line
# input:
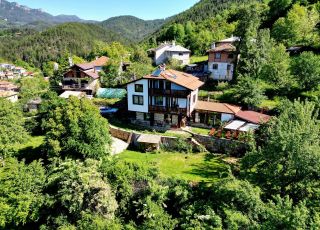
<point x="39" y="47"/>
<point x="131" y="27"/>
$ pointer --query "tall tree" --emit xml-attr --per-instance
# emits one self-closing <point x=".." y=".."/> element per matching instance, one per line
<point x="76" y="129"/>
<point x="298" y="27"/>
<point x="76" y="188"/>
<point x="289" y="162"/>
<point x="21" y="193"/>
<point x="12" y="129"/>
<point x="306" y="69"/>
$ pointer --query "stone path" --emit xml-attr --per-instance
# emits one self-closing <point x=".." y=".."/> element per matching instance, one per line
<point x="118" y="146"/>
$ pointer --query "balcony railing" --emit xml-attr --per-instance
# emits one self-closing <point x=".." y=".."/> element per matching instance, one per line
<point x="76" y="86"/>
<point x="165" y="92"/>
<point x="165" y="109"/>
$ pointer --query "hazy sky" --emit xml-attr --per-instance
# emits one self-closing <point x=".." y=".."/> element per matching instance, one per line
<point x="104" y="9"/>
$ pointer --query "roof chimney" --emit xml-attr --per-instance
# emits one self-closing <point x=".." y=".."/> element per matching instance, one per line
<point x="213" y="45"/>
<point x="162" y="67"/>
<point x="174" y="43"/>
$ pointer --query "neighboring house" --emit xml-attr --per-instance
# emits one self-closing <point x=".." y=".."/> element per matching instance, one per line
<point x="8" y="86"/>
<point x="168" y="51"/>
<point x="222" y="59"/>
<point x="33" y="105"/>
<point x="9" y="95"/>
<point x="165" y="97"/>
<point x="19" y="71"/>
<point x="99" y="63"/>
<point x="81" y="77"/>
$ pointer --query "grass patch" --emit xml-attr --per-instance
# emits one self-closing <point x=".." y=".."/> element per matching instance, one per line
<point x="202" y="167"/>
<point x="131" y="127"/>
<point x="31" y="149"/>
<point x="196" y="59"/>
<point x="201" y="131"/>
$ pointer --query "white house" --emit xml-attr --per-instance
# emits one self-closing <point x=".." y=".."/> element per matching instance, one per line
<point x="9" y="95"/>
<point x="222" y="59"/>
<point x="168" y="51"/>
<point x="165" y="97"/>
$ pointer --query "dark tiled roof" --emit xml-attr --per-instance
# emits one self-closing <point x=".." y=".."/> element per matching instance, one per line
<point x="85" y="66"/>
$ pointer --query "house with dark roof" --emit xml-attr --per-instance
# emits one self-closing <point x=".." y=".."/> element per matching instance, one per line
<point x="222" y="59"/>
<point x="81" y="77"/>
<point x="167" y="51"/>
<point x="165" y="97"/>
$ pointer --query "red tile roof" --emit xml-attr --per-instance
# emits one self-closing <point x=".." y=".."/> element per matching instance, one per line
<point x="92" y="74"/>
<point x="180" y="78"/>
<point x="217" y="107"/>
<point x="224" y="47"/>
<point x="85" y="66"/>
<point x="253" y="117"/>
<point x="101" y="61"/>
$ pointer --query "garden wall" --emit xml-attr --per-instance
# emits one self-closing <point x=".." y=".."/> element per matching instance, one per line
<point x="220" y="145"/>
<point x="212" y="144"/>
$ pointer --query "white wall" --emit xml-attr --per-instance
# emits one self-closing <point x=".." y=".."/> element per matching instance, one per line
<point x="131" y="91"/>
<point x="185" y="58"/>
<point x="221" y="73"/>
<point x="160" y="55"/>
<point x="193" y="104"/>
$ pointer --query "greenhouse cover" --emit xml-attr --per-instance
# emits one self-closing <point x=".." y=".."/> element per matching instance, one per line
<point x="111" y="93"/>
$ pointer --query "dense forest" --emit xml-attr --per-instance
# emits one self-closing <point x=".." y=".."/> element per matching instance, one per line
<point x="71" y="180"/>
<point x="132" y="28"/>
<point x="39" y="47"/>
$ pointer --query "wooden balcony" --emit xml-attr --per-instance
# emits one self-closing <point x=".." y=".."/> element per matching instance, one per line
<point x="171" y="93"/>
<point x="75" y="86"/>
<point x="164" y="109"/>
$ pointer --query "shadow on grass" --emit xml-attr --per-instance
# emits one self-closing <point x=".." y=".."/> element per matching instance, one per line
<point x="211" y="169"/>
<point x="30" y="154"/>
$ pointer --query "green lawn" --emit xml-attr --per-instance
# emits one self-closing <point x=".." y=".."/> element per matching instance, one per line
<point x="195" y="59"/>
<point x="136" y="128"/>
<point x="192" y="167"/>
<point x="31" y="148"/>
<point x="200" y="131"/>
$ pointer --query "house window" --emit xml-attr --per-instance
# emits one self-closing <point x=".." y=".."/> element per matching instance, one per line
<point x="215" y="66"/>
<point x="137" y="100"/>
<point x="180" y="54"/>
<point x="228" y="67"/>
<point x="158" y="101"/>
<point x="217" y="55"/>
<point x="194" y="98"/>
<point x="230" y="56"/>
<point x="138" y="88"/>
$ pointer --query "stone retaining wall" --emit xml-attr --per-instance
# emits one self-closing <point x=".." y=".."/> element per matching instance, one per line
<point x="221" y="145"/>
<point x="212" y="144"/>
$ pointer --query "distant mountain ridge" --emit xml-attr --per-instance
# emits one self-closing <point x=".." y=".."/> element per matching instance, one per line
<point x="131" y="27"/>
<point x="13" y="12"/>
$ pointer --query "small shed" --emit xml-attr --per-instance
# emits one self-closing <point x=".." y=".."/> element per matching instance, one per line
<point x="235" y="125"/>
<point x="149" y="142"/>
